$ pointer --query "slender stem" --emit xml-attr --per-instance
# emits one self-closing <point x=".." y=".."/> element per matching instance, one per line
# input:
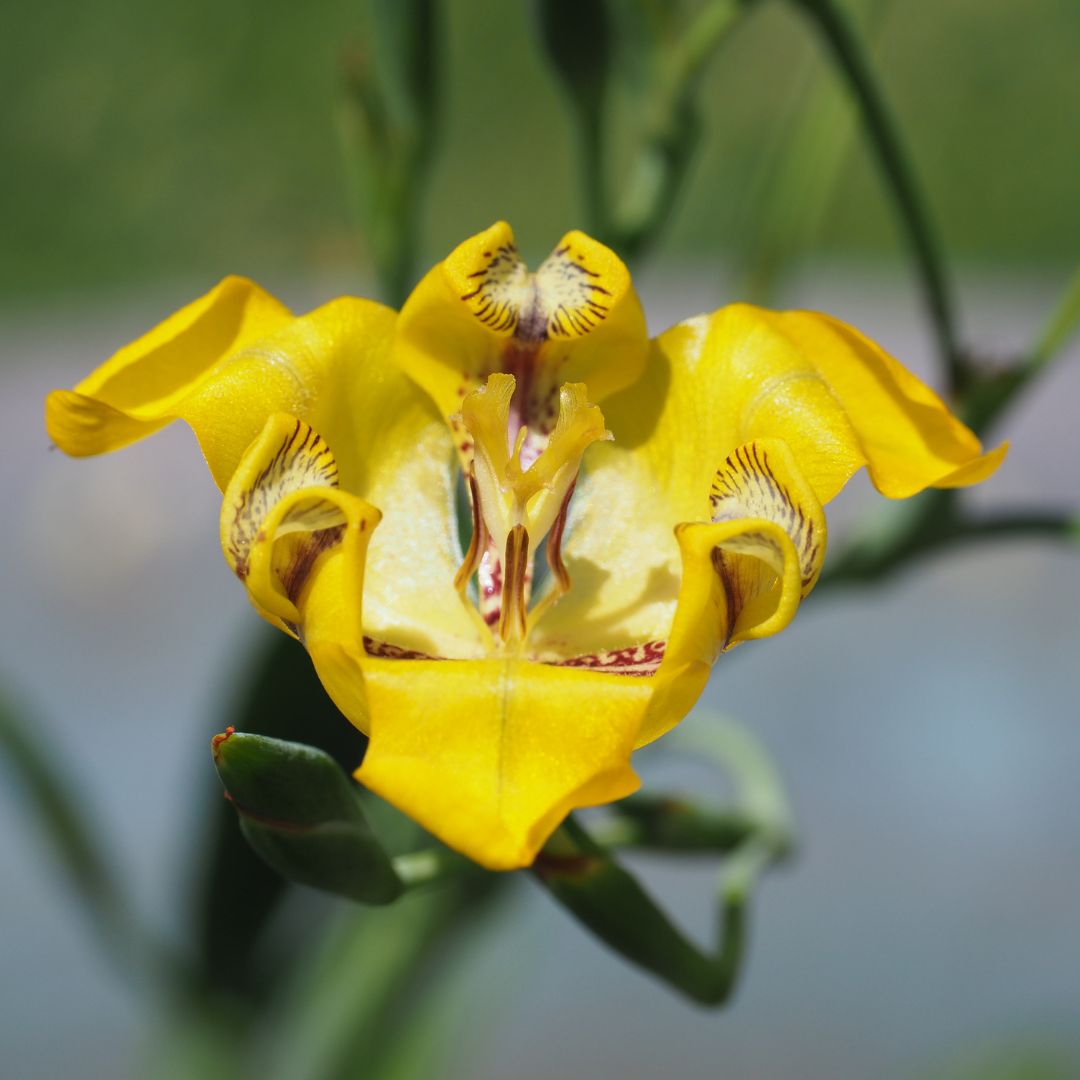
<point x="706" y="32"/>
<point x="899" y="176"/>
<point x="591" y="138"/>
<point x="937" y="525"/>
<point x="1060" y="327"/>
<point x="663" y="823"/>
<point x="759" y="788"/>
<point x="582" y="875"/>
<point x="1013" y="525"/>
<point x="663" y="158"/>
<point x="353" y="1000"/>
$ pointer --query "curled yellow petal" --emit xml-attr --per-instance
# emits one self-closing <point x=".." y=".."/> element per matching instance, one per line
<point x="281" y="515"/>
<point x="224" y="364"/>
<point x="714" y="383"/>
<point x="745" y="571"/>
<point x="839" y="401"/>
<point x="137" y="390"/>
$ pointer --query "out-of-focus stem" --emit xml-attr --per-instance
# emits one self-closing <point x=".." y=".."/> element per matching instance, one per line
<point x="354" y="999"/>
<point x="594" y="195"/>
<point x="672" y="132"/>
<point x="993" y="394"/>
<point x="798" y="176"/>
<point x="389" y="129"/>
<point x="48" y="794"/>
<point x="1060" y="327"/>
<point x="932" y="523"/>
<point x="899" y="176"/>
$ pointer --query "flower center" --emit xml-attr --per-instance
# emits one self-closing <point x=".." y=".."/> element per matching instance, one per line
<point x="518" y="502"/>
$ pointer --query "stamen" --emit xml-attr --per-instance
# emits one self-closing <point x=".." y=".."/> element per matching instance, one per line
<point x="512" y="501"/>
<point x="513" y="620"/>
<point x="477" y="544"/>
<point x="554" y="545"/>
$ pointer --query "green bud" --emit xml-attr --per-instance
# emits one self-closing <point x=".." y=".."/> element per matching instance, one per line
<point x="300" y="814"/>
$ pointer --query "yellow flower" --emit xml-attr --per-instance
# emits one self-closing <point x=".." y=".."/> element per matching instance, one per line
<point x="638" y="506"/>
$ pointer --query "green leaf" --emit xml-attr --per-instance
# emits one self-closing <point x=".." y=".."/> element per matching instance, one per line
<point x="300" y="814"/>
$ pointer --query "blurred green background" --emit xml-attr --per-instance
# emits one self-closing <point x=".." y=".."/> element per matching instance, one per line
<point x="930" y="925"/>
<point x="201" y="138"/>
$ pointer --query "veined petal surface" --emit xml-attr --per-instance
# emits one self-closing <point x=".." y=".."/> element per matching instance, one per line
<point x="480" y="311"/>
<point x="491" y="755"/>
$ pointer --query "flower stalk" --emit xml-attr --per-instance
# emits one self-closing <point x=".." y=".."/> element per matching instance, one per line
<point x="581" y="874"/>
<point x="912" y="212"/>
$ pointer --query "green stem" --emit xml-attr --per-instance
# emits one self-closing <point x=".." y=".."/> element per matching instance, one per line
<point x="989" y="398"/>
<point x="661" y="165"/>
<point x="608" y="900"/>
<point x="582" y="875"/>
<point x="899" y="177"/>
<point x="1010" y="526"/>
<point x="706" y="33"/>
<point x="789" y="197"/>
<point x="759" y="791"/>
<point x="1060" y="327"/>
<point x="934" y="523"/>
<point x="663" y="823"/>
<point x="345" y="1013"/>
<point x="594" y="194"/>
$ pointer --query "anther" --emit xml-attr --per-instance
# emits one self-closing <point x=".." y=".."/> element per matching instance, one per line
<point x="477" y="544"/>
<point x="513" y="618"/>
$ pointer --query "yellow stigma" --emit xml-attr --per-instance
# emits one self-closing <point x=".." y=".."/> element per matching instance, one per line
<point x="508" y="494"/>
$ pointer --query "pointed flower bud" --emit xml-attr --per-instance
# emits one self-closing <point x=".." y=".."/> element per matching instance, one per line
<point x="300" y="814"/>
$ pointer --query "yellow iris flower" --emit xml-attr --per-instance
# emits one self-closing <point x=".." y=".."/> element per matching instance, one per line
<point x="638" y="506"/>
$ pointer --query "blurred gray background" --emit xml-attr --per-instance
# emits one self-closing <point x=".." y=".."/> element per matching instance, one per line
<point x="928" y="729"/>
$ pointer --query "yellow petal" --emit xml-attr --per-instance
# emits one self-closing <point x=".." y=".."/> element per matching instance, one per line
<point x="491" y="755"/>
<point x="480" y="311"/>
<point x="712" y="384"/>
<point x="282" y="515"/>
<point x="233" y="359"/>
<point x="136" y="391"/>
<point x="744" y="572"/>
<point x="225" y="364"/>
<point x="838" y="400"/>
